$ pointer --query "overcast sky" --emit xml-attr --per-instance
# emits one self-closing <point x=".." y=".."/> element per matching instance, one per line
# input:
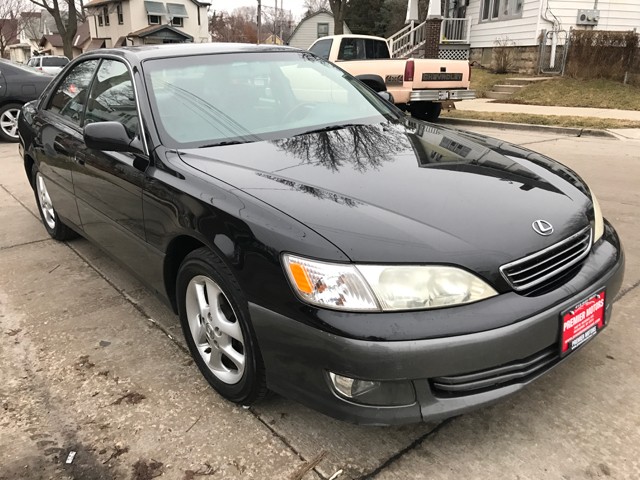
<point x="294" y="5"/>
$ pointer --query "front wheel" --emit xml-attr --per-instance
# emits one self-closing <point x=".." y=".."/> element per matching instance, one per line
<point x="429" y="111"/>
<point x="9" y="122"/>
<point x="215" y="322"/>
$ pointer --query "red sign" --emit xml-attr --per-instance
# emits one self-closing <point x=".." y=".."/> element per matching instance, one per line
<point x="582" y="322"/>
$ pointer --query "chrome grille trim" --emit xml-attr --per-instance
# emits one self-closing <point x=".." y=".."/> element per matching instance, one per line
<point x="571" y="250"/>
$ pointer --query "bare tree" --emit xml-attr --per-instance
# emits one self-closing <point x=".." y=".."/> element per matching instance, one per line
<point x="240" y="26"/>
<point x="9" y="23"/>
<point x="339" y="10"/>
<point x="314" y="6"/>
<point x="66" y="15"/>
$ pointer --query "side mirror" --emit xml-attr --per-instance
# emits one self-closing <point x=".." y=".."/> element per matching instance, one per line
<point x="110" y="136"/>
<point x="386" y="96"/>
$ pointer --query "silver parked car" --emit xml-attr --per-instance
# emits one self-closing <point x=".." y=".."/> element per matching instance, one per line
<point x="51" y="64"/>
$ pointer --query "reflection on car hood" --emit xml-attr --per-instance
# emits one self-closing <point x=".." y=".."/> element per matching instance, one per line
<point x="408" y="193"/>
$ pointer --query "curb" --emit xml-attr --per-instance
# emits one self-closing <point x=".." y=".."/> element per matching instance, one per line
<point x="577" y="132"/>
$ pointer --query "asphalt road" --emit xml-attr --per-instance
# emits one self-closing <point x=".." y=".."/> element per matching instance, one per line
<point x="91" y="362"/>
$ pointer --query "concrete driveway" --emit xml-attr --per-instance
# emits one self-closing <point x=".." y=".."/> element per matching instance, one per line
<point x="92" y="363"/>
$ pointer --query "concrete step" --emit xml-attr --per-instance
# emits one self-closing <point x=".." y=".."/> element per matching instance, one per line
<point x="525" y="80"/>
<point x="498" y="95"/>
<point x="508" y="88"/>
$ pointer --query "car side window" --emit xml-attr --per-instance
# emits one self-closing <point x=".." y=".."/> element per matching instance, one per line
<point x="71" y="94"/>
<point x="112" y="97"/>
<point x="322" y="48"/>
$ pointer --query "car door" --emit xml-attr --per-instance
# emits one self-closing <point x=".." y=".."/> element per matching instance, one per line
<point x="108" y="186"/>
<point x="60" y="137"/>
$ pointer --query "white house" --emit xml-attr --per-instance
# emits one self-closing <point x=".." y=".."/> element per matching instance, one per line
<point x="521" y="22"/>
<point x="312" y="27"/>
<point x="116" y="23"/>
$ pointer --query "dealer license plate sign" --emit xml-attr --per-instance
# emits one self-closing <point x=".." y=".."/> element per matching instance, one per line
<point x="582" y="322"/>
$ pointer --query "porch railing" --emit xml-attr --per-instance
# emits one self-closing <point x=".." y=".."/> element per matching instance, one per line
<point x="455" y="30"/>
<point x="407" y="40"/>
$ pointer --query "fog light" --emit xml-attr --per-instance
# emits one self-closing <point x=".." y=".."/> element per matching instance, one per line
<point x="372" y="392"/>
<point x="351" y="387"/>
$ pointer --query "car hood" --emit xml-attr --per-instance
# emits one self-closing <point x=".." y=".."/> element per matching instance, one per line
<point x="409" y="193"/>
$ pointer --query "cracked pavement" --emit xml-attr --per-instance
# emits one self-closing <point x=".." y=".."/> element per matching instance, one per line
<point x="94" y="363"/>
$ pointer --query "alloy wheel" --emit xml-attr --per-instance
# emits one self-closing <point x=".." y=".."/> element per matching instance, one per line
<point x="44" y="201"/>
<point x="215" y="329"/>
<point x="9" y="122"/>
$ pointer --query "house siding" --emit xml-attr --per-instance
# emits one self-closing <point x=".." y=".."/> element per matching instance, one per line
<point x="615" y="15"/>
<point x="307" y="31"/>
<point x="522" y="31"/>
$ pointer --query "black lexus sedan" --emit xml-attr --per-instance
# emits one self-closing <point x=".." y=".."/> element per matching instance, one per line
<point x="18" y="85"/>
<point x="313" y="240"/>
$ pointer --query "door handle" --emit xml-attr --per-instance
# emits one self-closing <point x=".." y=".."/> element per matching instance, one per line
<point x="58" y="147"/>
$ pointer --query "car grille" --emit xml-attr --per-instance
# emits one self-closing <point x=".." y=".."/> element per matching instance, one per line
<point x="534" y="274"/>
<point x="496" y="377"/>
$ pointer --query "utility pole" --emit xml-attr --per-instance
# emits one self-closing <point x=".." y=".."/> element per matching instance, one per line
<point x="259" y="20"/>
<point x="275" y="25"/>
<point x="282" y="19"/>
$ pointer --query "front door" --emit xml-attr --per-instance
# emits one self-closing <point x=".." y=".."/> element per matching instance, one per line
<point x="107" y="185"/>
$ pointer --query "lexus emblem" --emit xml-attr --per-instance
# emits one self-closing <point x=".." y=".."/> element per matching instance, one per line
<point x="542" y="227"/>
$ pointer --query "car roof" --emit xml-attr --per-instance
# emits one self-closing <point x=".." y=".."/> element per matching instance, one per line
<point x="354" y="35"/>
<point x="145" y="52"/>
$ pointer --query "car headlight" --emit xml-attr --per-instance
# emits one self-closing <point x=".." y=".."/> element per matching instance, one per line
<point x="598" y="219"/>
<point x="383" y="287"/>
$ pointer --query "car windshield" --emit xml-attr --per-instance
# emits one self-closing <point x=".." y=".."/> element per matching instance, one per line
<point x="219" y="99"/>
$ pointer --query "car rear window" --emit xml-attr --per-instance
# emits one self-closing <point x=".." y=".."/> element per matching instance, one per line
<point x="54" y="62"/>
<point x="362" y="49"/>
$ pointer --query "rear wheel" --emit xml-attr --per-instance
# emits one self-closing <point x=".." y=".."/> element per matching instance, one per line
<point x="9" y="122"/>
<point x="429" y="111"/>
<point x="215" y="322"/>
<point x="52" y="223"/>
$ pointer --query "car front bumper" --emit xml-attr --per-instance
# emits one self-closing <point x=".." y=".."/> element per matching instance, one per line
<point x="299" y="357"/>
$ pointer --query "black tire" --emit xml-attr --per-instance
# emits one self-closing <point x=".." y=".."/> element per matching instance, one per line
<point x="250" y="385"/>
<point x="429" y="111"/>
<point x="6" y="110"/>
<point x="55" y="227"/>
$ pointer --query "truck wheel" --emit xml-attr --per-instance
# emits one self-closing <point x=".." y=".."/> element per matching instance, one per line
<point x="428" y="111"/>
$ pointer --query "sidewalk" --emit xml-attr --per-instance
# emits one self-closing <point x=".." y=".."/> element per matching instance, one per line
<point x="488" y="105"/>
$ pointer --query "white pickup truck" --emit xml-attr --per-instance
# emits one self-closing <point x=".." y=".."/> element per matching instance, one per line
<point x="419" y="86"/>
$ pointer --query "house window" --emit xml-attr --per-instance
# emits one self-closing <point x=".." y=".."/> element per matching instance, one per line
<point x="323" y="29"/>
<point x="120" y="14"/>
<point x="100" y="19"/>
<point x="494" y="10"/>
<point x="177" y="22"/>
<point x="105" y="14"/>
<point x="198" y="15"/>
<point x="154" y="19"/>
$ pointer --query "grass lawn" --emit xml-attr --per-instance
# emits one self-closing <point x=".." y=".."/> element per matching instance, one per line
<point x="562" y="91"/>
<point x="569" y="92"/>
<point x="551" y="120"/>
<point x="482" y="80"/>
